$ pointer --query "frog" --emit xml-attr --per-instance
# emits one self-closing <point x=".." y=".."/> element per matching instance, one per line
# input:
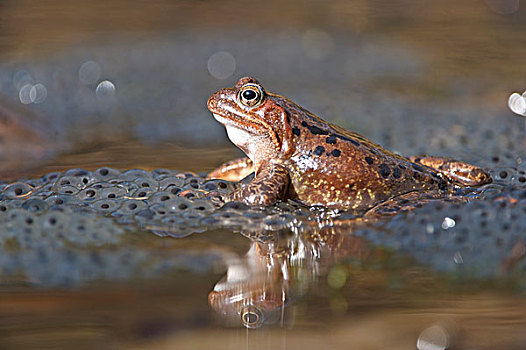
<point x="292" y="154"/>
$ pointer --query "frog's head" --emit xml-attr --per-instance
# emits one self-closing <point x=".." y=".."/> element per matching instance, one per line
<point x="254" y="121"/>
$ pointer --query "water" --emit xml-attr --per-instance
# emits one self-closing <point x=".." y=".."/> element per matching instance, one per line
<point x="123" y="85"/>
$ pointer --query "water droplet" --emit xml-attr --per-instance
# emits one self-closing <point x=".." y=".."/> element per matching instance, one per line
<point x="317" y="44"/>
<point x="24" y="94"/>
<point x="433" y="338"/>
<point x="105" y="89"/>
<point x="38" y="93"/>
<point x="89" y="72"/>
<point x="221" y="65"/>
<point x="448" y="223"/>
<point x="517" y="104"/>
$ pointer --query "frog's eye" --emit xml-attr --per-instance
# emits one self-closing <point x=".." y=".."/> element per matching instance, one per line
<point x="250" y="95"/>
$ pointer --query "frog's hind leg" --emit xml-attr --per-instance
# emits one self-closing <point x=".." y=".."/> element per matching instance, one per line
<point x="457" y="171"/>
<point x="234" y="170"/>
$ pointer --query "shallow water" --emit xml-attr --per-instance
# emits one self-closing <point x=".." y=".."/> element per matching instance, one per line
<point x="125" y="87"/>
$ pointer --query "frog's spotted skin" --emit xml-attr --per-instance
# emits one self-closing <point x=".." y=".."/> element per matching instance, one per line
<point x="297" y="155"/>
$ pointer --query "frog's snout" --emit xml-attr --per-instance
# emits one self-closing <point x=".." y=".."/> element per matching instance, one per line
<point x="211" y="102"/>
<point x="220" y="98"/>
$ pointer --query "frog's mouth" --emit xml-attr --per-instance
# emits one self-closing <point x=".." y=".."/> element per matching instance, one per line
<point x="246" y="124"/>
<point x="227" y="121"/>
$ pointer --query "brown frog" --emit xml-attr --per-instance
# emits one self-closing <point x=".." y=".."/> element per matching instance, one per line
<point x="297" y="155"/>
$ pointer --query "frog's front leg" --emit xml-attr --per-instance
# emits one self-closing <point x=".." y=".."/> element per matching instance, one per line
<point x="234" y="170"/>
<point x="455" y="170"/>
<point x="270" y="184"/>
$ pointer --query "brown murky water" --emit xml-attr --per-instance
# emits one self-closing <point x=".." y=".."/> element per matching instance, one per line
<point x="342" y="294"/>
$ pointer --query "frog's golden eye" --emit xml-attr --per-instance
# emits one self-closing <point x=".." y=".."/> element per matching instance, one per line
<point x="250" y="95"/>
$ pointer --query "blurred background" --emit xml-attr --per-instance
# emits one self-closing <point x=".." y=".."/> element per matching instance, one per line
<point x="124" y="83"/>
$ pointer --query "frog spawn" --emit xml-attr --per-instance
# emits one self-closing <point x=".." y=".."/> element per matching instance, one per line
<point x="68" y="212"/>
<point x="462" y="237"/>
<point x="161" y="198"/>
<point x="67" y="228"/>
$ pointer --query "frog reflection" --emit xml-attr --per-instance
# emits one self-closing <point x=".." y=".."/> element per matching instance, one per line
<point x="257" y="287"/>
<point x="253" y="291"/>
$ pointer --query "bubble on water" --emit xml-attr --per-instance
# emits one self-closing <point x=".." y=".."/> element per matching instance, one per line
<point x="252" y="317"/>
<point x="448" y="223"/>
<point x="433" y="338"/>
<point x="317" y="44"/>
<point x="38" y="93"/>
<point x="221" y="65"/>
<point x="24" y="94"/>
<point x="89" y="72"/>
<point x="517" y="103"/>
<point x="105" y="89"/>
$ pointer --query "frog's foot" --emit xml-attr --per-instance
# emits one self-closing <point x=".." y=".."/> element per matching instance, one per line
<point x="269" y="186"/>
<point x="235" y="170"/>
<point x="457" y="171"/>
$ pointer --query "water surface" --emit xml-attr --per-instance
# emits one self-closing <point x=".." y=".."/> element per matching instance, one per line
<point x="124" y="84"/>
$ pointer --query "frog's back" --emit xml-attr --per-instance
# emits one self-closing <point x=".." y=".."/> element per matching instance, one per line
<point x="331" y="166"/>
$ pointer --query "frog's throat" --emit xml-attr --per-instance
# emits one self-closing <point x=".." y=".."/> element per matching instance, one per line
<point x="242" y="131"/>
